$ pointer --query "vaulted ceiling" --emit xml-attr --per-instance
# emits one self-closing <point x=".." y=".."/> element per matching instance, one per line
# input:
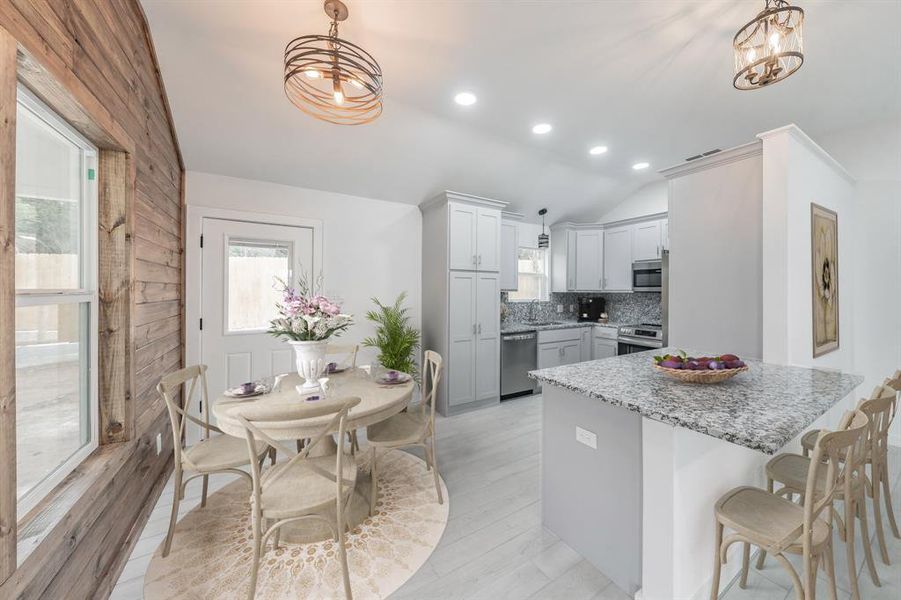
<point x="651" y="80"/>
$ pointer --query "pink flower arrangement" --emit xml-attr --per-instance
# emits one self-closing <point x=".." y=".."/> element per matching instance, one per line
<point x="305" y="315"/>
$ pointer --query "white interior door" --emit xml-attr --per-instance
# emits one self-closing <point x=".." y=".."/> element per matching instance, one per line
<point x="240" y="263"/>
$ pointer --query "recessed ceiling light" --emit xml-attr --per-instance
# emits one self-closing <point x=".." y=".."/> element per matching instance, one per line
<point x="542" y="128"/>
<point x="597" y="150"/>
<point x="465" y="98"/>
<point x="641" y="165"/>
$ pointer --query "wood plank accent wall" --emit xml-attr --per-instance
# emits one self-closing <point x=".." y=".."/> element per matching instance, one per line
<point x="7" y="307"/>
<point x="93" y="62"/>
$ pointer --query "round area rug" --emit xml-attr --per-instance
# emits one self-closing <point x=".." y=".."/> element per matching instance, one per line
<point x="212" y="547"/>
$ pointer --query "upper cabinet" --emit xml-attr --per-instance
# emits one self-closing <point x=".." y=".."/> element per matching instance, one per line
<point x="618" y="259"/>
<point x="646" y="240"/>
<point x="563" y="259"/>
<point x="474" y="234"/>
<point x="589" y="259"/>
<point x="509" y="253"/>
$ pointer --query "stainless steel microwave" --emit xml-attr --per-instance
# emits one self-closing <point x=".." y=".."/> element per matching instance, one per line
<point x="647" y="275"/>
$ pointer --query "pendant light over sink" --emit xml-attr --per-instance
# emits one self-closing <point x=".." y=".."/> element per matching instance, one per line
<point x="770" y="47"/>
<point x="543" y="239"/>
<point x="332" y="79"/>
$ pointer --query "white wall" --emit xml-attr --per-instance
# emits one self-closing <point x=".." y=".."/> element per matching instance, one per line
<point x="650" y="199"/>
<point x="715" y="253"/>
<point x="371" y="247"/>
<point x="796" y="173"/>
<point x="872" y="153"/>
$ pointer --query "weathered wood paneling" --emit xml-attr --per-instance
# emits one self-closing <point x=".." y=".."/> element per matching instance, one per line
<point x="93" y="61"/>
<point x="7" y="307"/>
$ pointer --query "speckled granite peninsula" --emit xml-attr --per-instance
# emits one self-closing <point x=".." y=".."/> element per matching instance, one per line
<point x="643" y="458"/>
<point x="762" y="409"/>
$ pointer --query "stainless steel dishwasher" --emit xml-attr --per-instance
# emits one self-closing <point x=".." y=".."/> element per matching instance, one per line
<point x="519" y="355"/>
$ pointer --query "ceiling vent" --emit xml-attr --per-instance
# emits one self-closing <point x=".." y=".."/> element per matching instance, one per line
<point x="702" y="155"/>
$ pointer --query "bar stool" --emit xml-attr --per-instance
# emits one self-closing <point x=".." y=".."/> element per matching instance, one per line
<point x="778" y="526"/>
<point x="877" y="458"/>
<point x="790" y="470"/>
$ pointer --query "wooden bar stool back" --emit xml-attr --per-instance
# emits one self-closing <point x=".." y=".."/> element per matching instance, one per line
<point x="790" y="471"/>
<point x="304" y="487"/>
<point x="779" y="526"/>
<point x="877" y="457"/>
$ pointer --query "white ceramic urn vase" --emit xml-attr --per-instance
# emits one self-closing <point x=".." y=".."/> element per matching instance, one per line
<point x="309" y="358"/>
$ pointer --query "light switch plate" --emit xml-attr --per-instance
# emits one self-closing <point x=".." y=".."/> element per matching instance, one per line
<point x="589" y="438"/>
<point x="159" y="443"/>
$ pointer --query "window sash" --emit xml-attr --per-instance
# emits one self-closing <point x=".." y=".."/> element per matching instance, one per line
<point x="541" y="277"/>
<point x="86" y="294"/>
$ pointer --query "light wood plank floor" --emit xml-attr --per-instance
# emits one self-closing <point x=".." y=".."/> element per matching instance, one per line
<point x="494" y="545"/>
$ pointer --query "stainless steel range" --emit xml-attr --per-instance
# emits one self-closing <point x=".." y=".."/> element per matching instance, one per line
<point x="639" y="338"/>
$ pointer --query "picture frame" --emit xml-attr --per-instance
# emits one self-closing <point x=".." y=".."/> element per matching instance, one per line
<point x="824" y="280"/>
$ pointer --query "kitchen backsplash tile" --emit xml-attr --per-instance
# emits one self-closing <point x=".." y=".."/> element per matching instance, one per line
<point x="621" y="308"/>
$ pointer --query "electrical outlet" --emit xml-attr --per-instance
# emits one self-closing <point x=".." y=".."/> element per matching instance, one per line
<point x="159" y="443"/>
<point x="589" y="438"/>
<point x="559" y="308"/>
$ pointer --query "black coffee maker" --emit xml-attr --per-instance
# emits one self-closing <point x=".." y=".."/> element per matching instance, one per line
<point x="590" y="309"/>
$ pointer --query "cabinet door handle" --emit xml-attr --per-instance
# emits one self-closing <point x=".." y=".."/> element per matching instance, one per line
<point x="480" y="259"/>
<point x="473" y="259"/>
<point x="473" y="328"/>
<point x="658" y="250"/>
<point x="480" y="328"/>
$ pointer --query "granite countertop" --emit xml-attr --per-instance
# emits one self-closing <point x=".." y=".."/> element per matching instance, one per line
<point x="762" y="409"/>
<point x="520" y="327"/>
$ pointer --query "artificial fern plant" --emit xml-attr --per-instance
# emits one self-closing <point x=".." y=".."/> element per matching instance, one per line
<point x="395" y="338"/>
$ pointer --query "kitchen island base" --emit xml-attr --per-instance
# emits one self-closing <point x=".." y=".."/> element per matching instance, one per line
<point x="633" y="462"/>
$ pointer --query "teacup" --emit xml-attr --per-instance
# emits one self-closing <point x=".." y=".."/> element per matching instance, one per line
<point x="248" y="388"/>
<point x="392" y="375"/>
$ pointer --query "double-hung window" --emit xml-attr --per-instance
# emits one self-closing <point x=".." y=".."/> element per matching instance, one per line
<point x="532" y="275"/>
<point x="56" y="299"/>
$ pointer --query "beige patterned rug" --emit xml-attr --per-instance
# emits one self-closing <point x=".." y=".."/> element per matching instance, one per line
<point x="212" y="548"/>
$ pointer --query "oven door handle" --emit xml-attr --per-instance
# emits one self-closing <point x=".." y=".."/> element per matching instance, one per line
<point x="635" y="341"/>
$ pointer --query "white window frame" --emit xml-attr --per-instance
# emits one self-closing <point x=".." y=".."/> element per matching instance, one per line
<point x="86" y="294"/>
<point x="547" y="276"/>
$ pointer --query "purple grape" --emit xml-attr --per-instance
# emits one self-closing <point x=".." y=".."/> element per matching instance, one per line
<point x="671" y="364"/>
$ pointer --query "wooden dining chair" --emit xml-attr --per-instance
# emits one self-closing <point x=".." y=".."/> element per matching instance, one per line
<point x="779" y="526"/>
<point x="878" y="483"/>
<point x="304" y="487"/>
<point x="347" y="353"/>
<point x="414" y="427"/>
<point x="212" y="454"/>
<point x="791" y="471"/>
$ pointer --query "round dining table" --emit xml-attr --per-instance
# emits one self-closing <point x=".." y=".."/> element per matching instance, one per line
<point x="377" y="403"/>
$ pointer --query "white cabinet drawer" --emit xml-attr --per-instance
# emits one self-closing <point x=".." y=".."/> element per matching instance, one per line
<point x="608" y="333"/>
<point x="560" y="335"/>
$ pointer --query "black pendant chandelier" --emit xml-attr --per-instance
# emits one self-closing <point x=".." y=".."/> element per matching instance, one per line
<point x="770" y="47"/>
<point x="332" y="79"/>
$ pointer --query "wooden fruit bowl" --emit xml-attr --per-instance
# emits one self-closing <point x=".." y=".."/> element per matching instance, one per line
<point x="701" y="376"/>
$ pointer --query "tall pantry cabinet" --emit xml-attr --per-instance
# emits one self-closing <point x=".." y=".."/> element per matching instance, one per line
<point x="461" y="256"/>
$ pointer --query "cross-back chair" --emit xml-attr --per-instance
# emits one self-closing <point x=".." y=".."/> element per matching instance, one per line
<point x="791" y="471"/>
<point x="212" y="454"/>
<point x="878" y="483"/>
<point x="303" y="487"/>
<point x="779" y="526"/>
<point x="415" y="427"/>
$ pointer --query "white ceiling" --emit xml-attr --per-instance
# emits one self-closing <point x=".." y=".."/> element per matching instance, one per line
<point x="652" y="80"/>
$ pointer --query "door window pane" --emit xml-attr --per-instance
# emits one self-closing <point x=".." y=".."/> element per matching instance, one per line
<point x="52" y="398"/>
<point x="48" y="206"/>
<point x="253" y="270"/>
